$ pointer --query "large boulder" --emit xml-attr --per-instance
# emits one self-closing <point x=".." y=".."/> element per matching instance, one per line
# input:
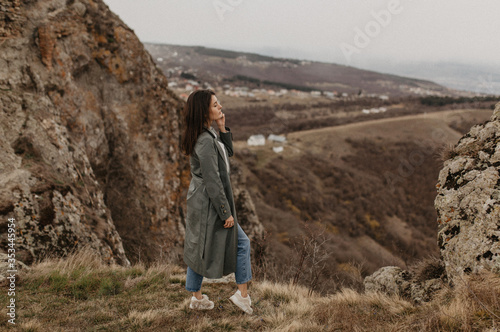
<point x="468" y="201"/>
<point x="390" y="280"/>
<point x="418" y="284"/>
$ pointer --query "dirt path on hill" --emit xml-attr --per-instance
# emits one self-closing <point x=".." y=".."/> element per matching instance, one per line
<point x="435" y="129"/>
<point x="446" y="116"/>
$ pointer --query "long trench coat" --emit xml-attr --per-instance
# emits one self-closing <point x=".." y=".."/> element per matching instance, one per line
<point x="209" y="248"/>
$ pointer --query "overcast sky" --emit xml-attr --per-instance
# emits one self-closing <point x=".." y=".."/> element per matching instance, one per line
<point x="357" y="33"/>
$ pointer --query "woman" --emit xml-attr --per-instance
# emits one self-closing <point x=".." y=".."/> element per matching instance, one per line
<point x="214" y="245"/>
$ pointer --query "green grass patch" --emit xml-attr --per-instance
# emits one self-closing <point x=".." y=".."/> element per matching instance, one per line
<point x="134" y="272"/>
<point x="111" y="285"/>
<point x="57" y="282"/>
<point x="34" y="283"/>
<point x="77" y="272"/>
<point x="82" y="288"/>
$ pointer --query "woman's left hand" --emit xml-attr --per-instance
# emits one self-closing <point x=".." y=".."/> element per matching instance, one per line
<point x="221" y="123"/>
<point x="229" y="222"/>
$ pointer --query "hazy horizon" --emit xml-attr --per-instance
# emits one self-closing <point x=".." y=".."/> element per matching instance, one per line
<point x="384" y="36"/>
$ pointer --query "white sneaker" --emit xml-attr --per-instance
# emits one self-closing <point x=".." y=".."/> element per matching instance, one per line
<point x="244" y="303"/>
<point x="203" y="304"/>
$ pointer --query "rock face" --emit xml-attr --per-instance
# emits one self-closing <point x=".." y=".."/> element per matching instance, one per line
<point x="89" y="135"/>
<point x="245" y="208"/>
<point x="468" y="201"/>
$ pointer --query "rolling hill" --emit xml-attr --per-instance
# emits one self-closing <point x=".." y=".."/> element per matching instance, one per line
<point x="363" y="193"/>
<point x="219" y="67"/>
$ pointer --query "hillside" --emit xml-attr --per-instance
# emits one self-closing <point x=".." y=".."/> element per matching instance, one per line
<point x="84" y="292"/>
<point x="220" y="67"/>
<point x="80" y="293"/>
<point x="365" y="192"/>
<point x="90" y="154"/>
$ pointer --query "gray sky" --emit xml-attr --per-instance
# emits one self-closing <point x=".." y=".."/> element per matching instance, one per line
<point x="357" y="33"/>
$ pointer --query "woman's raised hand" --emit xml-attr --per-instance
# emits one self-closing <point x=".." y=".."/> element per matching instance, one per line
<point x="229" y="222"/>
<point x="221" y="123"/>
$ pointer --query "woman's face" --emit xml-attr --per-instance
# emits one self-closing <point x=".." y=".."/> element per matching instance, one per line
<point x="214" y="109"/>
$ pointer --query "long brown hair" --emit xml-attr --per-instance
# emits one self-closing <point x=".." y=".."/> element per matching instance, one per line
<point x="196" y="115"/>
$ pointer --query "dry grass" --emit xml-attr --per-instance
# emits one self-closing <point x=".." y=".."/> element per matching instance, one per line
<point x="80" y="293"/>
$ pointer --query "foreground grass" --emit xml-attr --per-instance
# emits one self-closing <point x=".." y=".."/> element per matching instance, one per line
<point x="81" y="294"/>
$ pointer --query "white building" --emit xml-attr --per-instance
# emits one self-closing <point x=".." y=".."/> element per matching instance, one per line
<point x="256" y="140"/>
<point x="277" y="138"/>
<point x="278" y="149"/>
<point x="375" y="110"/>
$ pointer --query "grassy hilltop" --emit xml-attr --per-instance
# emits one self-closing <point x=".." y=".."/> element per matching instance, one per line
<point x="79" y="293"/>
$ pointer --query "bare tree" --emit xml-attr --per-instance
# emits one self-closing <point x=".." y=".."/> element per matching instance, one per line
<point x="313" y="257"/>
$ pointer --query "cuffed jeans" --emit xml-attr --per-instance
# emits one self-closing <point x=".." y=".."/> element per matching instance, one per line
<point x="243" y="272"/>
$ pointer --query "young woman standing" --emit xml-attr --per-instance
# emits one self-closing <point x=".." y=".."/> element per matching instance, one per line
<point x="214" y="245"/>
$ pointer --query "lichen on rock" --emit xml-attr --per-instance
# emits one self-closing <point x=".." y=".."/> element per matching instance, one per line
<point x="418" y="284"/>
<point x="468" y="201"/>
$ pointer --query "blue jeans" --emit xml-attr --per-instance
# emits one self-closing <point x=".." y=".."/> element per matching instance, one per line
<point x="243" y="272"/>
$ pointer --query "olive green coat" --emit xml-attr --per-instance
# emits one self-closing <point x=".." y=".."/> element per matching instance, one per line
<point x="209" y="248"/>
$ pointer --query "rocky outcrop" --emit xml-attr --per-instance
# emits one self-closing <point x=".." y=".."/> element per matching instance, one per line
<point x="468" y="207"/>
<point x="389" y="280"/>
<point x="418" y="284"/>
<point x="245" y="208"/>
<point x="89" y="135"/>
<point x="468" y="201"/>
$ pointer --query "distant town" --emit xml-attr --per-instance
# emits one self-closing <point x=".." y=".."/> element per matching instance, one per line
<point x="183" y="82"/>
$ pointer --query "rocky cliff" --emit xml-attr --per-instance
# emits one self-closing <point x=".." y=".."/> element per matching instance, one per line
<point x="89" y="135"/>
<point x="468" y="201"/>
<point x="90" y="138"/>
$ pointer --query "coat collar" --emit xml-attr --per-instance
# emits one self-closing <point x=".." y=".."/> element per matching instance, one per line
<point x="214" y="135"/>
<point x="216" y="138"/>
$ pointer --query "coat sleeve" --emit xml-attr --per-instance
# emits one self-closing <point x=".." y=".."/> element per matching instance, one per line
<point x="208" y="155"/>
<point x="227" y="139"/>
